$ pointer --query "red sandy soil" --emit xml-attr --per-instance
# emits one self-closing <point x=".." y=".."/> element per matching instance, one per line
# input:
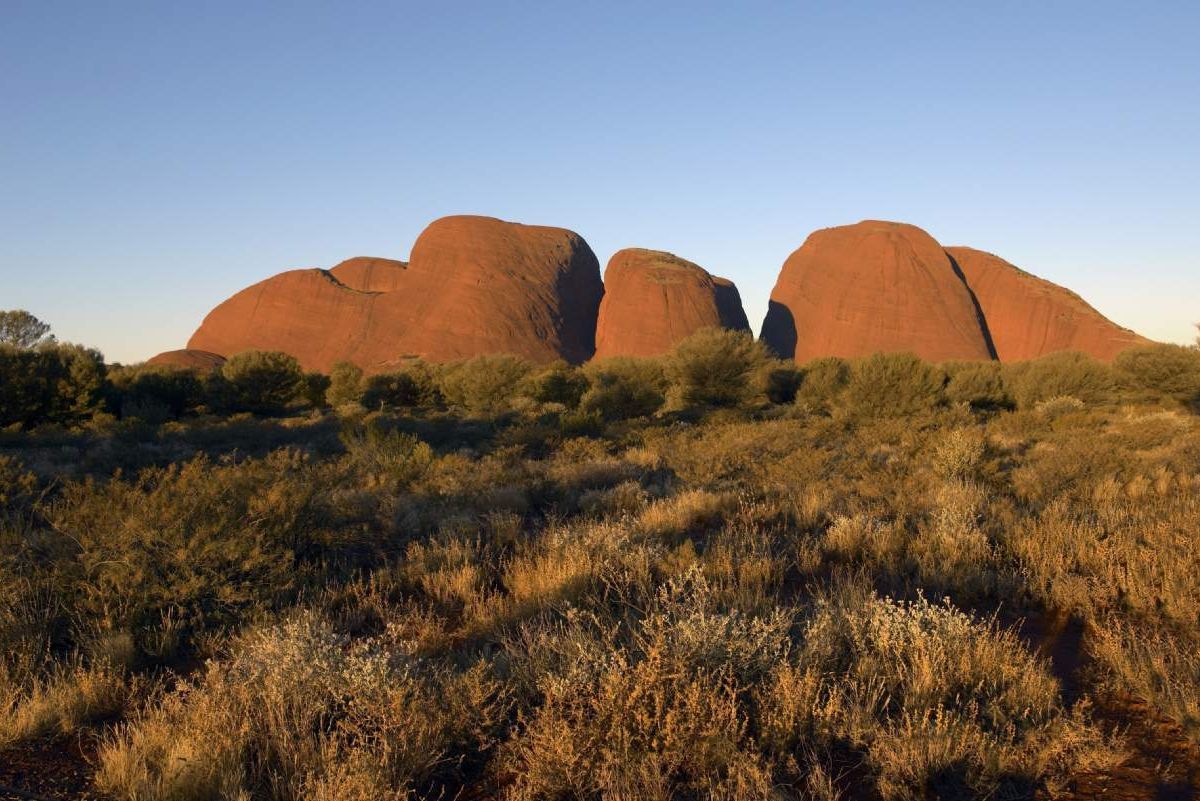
<point x="55" y="768"/>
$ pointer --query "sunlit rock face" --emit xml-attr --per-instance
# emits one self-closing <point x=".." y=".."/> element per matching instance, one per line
<point x="1028" y="317"/>
<point x="473" y="285"/>
<point x="654" y="299"/>
<point x="873" y="287"/>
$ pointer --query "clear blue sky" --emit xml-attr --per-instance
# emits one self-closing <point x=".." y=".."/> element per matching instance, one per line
<point x="156" y="157"/>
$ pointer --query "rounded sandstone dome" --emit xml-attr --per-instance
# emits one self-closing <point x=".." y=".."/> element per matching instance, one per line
<point x="306" y="313"/>
<point x="371" y="274"/>
<point x="480" y="285"/>
<point x="653" y="299"/>
<point x="873" y="287"/>
<point x="473" y="286"/>
<point x="188" y="359"/>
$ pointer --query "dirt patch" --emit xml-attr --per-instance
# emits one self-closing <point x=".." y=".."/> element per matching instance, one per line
<point x="1163" y="765"/>
<point x="58" y="768"/>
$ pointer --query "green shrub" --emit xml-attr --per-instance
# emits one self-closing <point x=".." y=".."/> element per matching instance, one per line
<point x="558" y="383"/>
<point x="822" y="382"/>
<point x="484" y="384"/>
<point x="412" y="387"/>
<point x="715" y="367"/>
<point x="52" y="383"/>
<point x="17" y="485"/>
<point x="386" y="454"/>
<point x="345" y="384"/>
<point x="980" y="384"/>
<point x="263" y="382"/>
<point x="894" y="385"/>
<point x="1170" y="370"/>
<point x="781" y="380"/>
<point x="200" y="541"/>
<point x="1065" y="374"/>
<point x="314" y="389"/>
<point x="624" y="387"/>
<point x="155" y="393"/>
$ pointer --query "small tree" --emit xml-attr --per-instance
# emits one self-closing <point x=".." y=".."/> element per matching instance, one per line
<point x="980" y="384"/>
<point x="50" y="384"/>
<point x="1063" y="374"/>
<point x="153" y="392"/>
<point x="22" y="330"/>
<point x="894" y="385"/>
<point x="315" y="389"/>
<point x="1172" y="370"/>
<point x="558" y="383"/>
<point x="822" y="382"/>
<point x="411" y="387"/>
<point x="623" y="387"/>
<point x="716" y="367"/>
<point x="345" y="384"/>
<point x="263" y="382"/>
<point x="484" y="384"/>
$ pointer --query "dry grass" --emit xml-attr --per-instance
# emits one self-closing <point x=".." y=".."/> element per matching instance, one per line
<point x="728" y="605"/>
<point x="69" y="697"/>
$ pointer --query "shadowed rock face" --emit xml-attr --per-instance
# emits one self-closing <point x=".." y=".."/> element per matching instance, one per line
<point x="1029" y="317"/>
<point x="873" y="287"/>
<point x="473" y="285"/>
<point x="188" y="359"/>
<point x="729" y="305"/>
<point x="654" y="299"/>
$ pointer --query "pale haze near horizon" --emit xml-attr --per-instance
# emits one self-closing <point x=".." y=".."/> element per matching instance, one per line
<point x="156" y="158"/>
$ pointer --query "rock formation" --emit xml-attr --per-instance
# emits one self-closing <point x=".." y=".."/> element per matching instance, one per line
<point x="654" y="299"/>
<point x="307" y="313"/>
<point x="473" y="285"/>
<point x="729" y="305"/>
<point x="200" y="360"/>
<point x="871" y="287"/>
<point x="1029" y="317"/>
<point x="479" y="285"/>
<point x="369" y="274"/>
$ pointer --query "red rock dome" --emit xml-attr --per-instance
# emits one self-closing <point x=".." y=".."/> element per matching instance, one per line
<point x="370" y="274"/>
<point x="480" y="285"/>
<point x="654" y="299"/>
<point x="1029" y="317"/>
<point x="873" y="287"/>
<point x="473" y="285"/>
<point x="188" y="360"/>
<point x="307" y="313"/>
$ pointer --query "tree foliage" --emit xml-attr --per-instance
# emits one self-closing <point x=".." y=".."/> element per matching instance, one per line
<point x="263" y="382"/>
<point x="1167" y="369"/>
<point x="52" y="383"/>
<point x="484" y="384"/>
<point x="1056" y="375"/>
<point x="894" y="385"/>
<point x="716" y="367"/>
<point x="623" y="387"/>
<point x="21" y="329"/>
